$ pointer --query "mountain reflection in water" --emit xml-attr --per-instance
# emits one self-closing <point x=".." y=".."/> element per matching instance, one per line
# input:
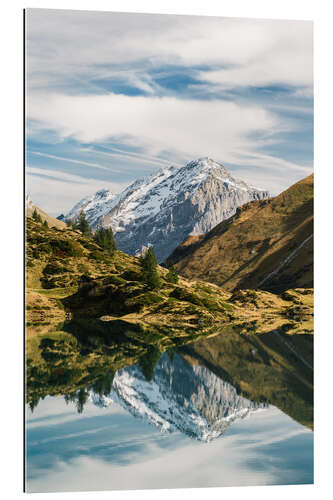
<point x="199" y="388"/>
<point x="133" y="413"/>
<point x="180" y="396"/>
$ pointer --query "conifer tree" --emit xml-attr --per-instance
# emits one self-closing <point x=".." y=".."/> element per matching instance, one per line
<point x="45" y="224"/>
<point x="83" y="225"/>
<point x="81" y="399"/>
<point x="36" y="216"/>
<point x="104" y="237"/>
<point x="149" y="361"/>
<point x="150" y="273"/>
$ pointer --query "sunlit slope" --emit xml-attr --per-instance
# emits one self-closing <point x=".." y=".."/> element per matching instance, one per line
<point x="52" y="221"/>
<point x="268" y="244"/>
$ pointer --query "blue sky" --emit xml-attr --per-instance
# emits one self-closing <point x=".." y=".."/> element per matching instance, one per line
<point x="112" y="97"/>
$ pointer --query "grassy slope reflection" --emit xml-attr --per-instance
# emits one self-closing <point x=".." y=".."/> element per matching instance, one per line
<point x="60" y="363"/>
<point x="274" y="367"/>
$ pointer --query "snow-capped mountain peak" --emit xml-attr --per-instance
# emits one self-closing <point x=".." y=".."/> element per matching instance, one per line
<point x="165" y="207"/>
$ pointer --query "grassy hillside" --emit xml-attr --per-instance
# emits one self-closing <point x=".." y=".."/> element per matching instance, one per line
<point x="268" y="244"/>
<point x="89" y="313"/>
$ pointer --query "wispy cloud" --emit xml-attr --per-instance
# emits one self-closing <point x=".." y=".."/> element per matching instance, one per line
<point x="127" y="155"/>
<point x="68" y="160"/>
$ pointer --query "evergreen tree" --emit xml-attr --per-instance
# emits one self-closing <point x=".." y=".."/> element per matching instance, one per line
<point x="172" y="275"/>
<point x="36" y="216"/>
<point x="45" y="224"/>
<point x="81" y="399"/>
<point x="104" y="237"/>
<point x="103" y="385"/>
<point x="83" y="225"/>
<point x="150" y="273"/>
<point x="149" y="361"/>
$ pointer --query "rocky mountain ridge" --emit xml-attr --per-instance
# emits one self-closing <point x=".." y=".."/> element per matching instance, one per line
<point x="164" y="208"/>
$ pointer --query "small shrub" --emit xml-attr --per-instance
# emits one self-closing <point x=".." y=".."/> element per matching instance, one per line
<point x="83" y="268"/>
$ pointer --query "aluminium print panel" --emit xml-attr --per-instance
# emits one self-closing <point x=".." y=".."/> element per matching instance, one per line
<point x="169" y="251"/>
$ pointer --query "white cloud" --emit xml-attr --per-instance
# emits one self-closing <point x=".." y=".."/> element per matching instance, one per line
<point x="284" y="57"/>
<point x="66" y="45"/>
<point x="127" y="155"/>
<point x="196" y="128"/>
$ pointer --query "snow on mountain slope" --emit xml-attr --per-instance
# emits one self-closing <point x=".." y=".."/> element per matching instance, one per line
<point x="179" y="397"/>
<point x="164" y="208"/>
<point x="94" y="206"/>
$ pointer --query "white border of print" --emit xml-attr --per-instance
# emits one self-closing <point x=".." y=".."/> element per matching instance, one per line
<point x="12" y="239"/>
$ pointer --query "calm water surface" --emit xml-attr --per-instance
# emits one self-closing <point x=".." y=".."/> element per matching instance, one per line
<point x="186" y="427"/>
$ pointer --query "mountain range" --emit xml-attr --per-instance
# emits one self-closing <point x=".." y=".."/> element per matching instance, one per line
<point x="168" y="206"/>
<point x="267" y="244"/>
